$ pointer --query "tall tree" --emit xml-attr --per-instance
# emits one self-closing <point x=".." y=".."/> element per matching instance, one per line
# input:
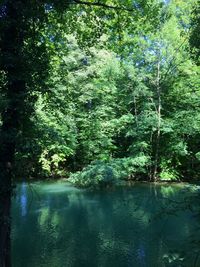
<point x="19" y="41"/>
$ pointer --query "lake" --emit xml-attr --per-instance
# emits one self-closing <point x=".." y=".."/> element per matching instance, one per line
<point x="56" y="225"/>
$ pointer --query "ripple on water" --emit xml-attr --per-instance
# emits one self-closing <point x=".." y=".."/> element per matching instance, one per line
<point x="57" y="225"/>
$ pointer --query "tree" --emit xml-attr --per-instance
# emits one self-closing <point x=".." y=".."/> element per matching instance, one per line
<point x="19" y="65"/>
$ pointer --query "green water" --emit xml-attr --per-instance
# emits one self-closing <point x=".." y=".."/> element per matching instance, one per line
<point x="57" y="225"/>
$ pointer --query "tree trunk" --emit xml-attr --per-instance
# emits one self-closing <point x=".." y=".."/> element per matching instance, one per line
<point x="157" y="144"/>
<point x="11" y="65"/>
<point x="5" y="203"/>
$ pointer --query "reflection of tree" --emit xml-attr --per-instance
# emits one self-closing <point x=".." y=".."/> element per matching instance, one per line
<point x="123" y="227"/>
<point x="186" y="204"/>
<point x="23" y="200"/>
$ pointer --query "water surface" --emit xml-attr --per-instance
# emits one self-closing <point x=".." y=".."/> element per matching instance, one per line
<point x="57" y="225"/>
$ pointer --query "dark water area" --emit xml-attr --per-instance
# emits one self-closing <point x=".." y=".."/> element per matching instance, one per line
<point x="145" y="225"/>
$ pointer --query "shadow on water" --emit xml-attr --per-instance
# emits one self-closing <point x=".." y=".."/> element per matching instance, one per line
<point x="55" y="224"/>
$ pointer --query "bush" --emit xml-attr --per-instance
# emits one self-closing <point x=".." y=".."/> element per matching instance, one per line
<point x="101" y="173"/>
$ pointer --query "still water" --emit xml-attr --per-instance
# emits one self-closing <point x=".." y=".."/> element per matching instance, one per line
<point x="145" y="225"/>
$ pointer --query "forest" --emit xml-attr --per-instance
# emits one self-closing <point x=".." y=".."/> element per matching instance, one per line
<point x="118" y="99"/>
<point x="97" y="92"/>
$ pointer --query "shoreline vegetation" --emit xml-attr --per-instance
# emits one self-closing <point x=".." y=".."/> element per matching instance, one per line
<point x="111" y="184"/>
<point x="109" y="114"/>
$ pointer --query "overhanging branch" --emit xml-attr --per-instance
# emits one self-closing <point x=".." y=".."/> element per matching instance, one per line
<point x="98" y="4"/>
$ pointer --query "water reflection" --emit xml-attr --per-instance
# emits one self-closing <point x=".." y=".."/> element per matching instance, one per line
<point x="126" y="227"/>
<point x="23" y="200"/>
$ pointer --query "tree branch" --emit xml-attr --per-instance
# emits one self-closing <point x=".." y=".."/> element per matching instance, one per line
<point x="98" y="4"/>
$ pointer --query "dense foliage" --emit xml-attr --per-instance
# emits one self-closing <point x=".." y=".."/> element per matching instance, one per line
<point x="114" y="97"/>
<point x="126" y="106"/>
